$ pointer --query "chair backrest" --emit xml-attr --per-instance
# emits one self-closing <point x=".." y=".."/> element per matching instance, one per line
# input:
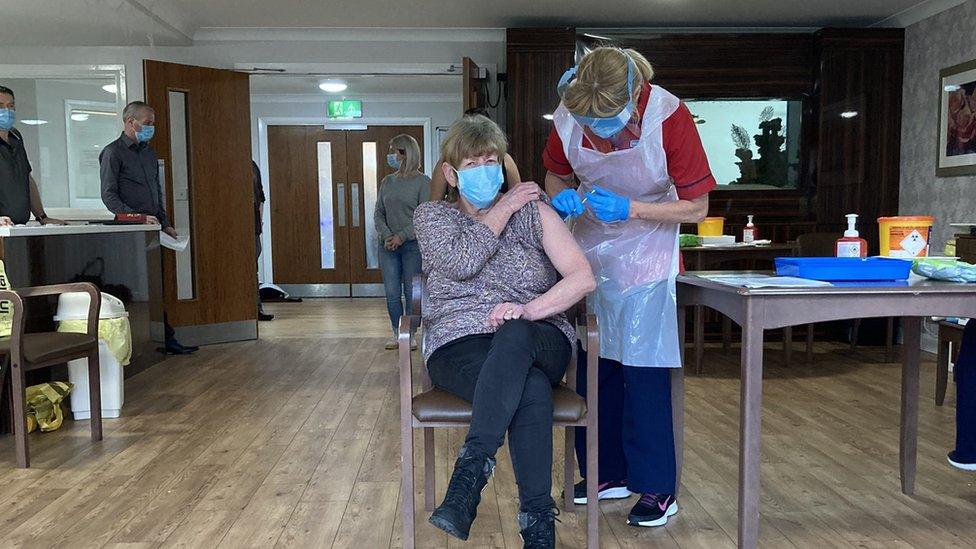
<point x="816" y="244"/>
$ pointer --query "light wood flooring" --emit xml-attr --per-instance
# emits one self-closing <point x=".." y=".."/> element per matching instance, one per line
<point x="292" y="441"/>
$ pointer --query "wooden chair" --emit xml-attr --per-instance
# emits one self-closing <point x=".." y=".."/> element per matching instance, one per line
<point x="25" y="352"/>
<point x="434" y="408"/>
<point x="822" y="245"/>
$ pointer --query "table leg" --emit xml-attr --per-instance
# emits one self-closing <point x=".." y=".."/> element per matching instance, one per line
<point x="908" y="448"/>
<point x="889" y="338"/>
<point x="699" y="337"/>
<point x="750" y="426"/>
<point x="726" y="334"/>
<point x="809" y="343"/>
<point x="787" y="345"/>
<point x="941" y="369"/>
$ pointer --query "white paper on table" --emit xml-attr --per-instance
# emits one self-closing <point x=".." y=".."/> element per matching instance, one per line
<point x="764" y="281"/>
<point x="177" y="244"/>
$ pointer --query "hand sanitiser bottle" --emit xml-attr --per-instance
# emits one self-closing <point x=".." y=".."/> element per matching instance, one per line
<point x="749" y="233"/>
<point x="851" y="244"/>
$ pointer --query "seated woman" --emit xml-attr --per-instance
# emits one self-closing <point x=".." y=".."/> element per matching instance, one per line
<point x="501" y="271"/>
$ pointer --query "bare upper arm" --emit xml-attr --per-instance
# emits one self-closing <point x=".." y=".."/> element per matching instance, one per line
<point x="559" y="244"/>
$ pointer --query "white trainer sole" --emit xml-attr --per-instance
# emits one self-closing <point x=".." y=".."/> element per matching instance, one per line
<point x="619" y="492"/>
<point x="963" y="466"/>
<point x="672" y="510"/>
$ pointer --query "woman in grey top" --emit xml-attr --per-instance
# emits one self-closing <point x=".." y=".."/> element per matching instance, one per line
<point x="501" y="271"/>
<point x="399" y="194"/>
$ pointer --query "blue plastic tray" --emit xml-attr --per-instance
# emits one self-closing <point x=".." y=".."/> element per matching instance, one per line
<point x="843" y="268"/>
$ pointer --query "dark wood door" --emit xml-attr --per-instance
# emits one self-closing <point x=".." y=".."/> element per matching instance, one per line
<point x="328" y="247"/>
<point x="205" y="148"/>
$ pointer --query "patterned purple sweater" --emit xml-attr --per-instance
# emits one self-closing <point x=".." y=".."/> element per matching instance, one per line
<point x="470" y="270"/>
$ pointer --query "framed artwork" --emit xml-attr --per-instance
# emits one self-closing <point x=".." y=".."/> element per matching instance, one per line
<point x="957" y="120"/>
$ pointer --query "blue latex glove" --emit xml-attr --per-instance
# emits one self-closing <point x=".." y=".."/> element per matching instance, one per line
<point x="568" y="204"/>
<point x="607" y="206"/>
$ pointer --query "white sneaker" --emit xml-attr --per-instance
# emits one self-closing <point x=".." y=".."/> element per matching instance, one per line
<point x="413" y="344"/>
<point x="391" y="344"/>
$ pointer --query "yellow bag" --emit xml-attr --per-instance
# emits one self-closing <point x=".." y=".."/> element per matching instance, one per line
<point x="114" y="331"/>
<point x="44" y="405"/>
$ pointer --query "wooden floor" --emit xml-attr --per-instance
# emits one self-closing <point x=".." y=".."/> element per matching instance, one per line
<point x="293" y="441"/>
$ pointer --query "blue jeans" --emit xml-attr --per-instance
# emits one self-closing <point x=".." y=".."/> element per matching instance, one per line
<point x="398" y="268"/>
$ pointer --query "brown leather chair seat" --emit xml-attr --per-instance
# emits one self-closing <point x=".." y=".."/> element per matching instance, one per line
<point x="440" y="406"/>
<point x="39" y="348"/>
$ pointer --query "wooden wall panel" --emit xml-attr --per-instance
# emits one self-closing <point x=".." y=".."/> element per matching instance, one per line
<point x="221" y="191"/>
<point x="536" y="60"/>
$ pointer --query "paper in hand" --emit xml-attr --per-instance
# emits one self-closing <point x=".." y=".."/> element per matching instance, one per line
<point x="176" y="244"/>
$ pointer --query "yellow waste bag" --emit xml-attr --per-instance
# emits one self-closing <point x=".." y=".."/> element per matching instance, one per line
<point x="6" y="309"/>
<point x="114" y="331"/>
<point x="44" y="405"/>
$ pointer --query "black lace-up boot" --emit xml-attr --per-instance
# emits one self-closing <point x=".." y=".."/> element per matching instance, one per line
<point x="460" y="505"/>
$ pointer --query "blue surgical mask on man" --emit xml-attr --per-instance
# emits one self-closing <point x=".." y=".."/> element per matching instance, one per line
<point x="393" y="161"/>
<point x="145" y="133"/>
<point x="480" y="185"/>
<point x="7" y="119"/>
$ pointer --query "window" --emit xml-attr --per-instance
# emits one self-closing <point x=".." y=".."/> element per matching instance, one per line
<point x="750" y="143"/>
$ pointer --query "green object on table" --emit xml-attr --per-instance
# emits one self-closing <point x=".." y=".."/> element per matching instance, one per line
<point x="945" y="269"/>
<point x="688" y="240"/>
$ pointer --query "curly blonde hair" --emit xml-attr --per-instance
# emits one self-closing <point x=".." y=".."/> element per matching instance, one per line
<point x="601" y="88"/>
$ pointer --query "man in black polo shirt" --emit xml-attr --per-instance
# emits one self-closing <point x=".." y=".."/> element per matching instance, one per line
<point x="19" y="197"/>
<point x="130" y="182"/>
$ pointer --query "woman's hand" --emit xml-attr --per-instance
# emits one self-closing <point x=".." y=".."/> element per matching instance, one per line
<point x="504" y="312"/>
<point x="393" y="243"/>
<point x="518" y="196"/>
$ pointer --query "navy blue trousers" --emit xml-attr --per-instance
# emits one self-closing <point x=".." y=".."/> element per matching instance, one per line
<point x="636" y="430"/>
<point x="965" y="375"/>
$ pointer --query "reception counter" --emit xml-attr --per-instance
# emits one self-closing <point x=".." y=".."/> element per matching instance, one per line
<point x="121" y="259"/>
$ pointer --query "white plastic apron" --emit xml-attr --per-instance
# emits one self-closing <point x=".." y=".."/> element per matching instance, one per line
<point x="635" y="261"/>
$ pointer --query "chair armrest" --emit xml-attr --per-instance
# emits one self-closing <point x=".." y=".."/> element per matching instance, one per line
<point x="94" y="302"/>
<point x="408" y="325"/>
<point x="16" y="325"/>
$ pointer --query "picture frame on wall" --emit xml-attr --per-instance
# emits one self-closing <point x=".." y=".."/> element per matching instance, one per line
<point x="957" y="120"/>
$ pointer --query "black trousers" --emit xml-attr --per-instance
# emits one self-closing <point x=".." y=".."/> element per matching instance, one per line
<point x="508" y="378"/>
<point x="965" y="375"/>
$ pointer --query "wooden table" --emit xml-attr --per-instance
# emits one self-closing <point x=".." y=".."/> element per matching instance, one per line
<point x="701" y="258"/>
<point x="757" y="310"/>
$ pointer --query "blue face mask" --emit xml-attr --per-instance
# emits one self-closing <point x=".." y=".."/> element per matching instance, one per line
<point x="146" y="133"/>
<point x="603" y="127"/>
<point x="391" y="159"/>
<point x="480" y="185"/>
<point x="7" y="119"/>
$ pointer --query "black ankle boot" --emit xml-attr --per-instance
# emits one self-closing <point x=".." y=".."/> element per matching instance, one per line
<point x="460" y="505"/>
<point x="538" y="529"/>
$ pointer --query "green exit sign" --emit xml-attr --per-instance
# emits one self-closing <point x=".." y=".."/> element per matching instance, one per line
<point x="347" y="108"/>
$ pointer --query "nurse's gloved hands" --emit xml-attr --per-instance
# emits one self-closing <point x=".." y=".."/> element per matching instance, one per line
<point x="608" y="207"/>
<point x="568" y="204"/>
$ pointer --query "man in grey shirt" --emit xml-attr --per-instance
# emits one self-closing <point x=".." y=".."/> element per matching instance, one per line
<point x="130" y="182"/>
<point x="129" y="169"/>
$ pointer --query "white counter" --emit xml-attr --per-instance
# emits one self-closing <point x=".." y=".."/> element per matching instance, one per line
<point x="56" y="230"/>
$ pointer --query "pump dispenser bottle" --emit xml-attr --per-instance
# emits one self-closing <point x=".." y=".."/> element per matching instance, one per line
<point x="851" y="244"/>
<point x="749" y="233"/>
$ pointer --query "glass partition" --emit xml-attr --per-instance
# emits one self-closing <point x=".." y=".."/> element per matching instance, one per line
<point x="67" y="114"/>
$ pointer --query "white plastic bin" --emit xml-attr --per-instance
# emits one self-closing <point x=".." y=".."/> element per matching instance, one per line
<point x="73" y="308"/>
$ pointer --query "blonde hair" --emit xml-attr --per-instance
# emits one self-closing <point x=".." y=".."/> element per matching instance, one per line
<point x="410" y="149"/>
<point x="600" y="87"/>
<point x="473" y="136"/>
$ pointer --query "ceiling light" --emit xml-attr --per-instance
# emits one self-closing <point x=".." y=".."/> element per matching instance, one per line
<point x="848" y="114"/>
<point x="951" y="88"/>
<point x="111" y="88"/>
<point x="547" y="116"/>
<point x="333" y="86"/>
<point x="79" y="117"/>
<point x="33" y="122"/>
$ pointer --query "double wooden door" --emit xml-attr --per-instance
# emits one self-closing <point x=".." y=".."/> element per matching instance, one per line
<point x="323" y="188"/>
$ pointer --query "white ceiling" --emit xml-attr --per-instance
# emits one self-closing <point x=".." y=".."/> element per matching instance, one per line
<point x="358" y="86"/>
<point x="170" y="22"/>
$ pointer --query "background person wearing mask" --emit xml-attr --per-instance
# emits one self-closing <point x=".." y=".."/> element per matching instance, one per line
<point x="19" y="197"/>
<point x="438" y="183"/>
<point x="130" y="182"/>
<point x="259" y="200"/>
<point x="642" y="169"/>
<point x="399" y="195"/>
